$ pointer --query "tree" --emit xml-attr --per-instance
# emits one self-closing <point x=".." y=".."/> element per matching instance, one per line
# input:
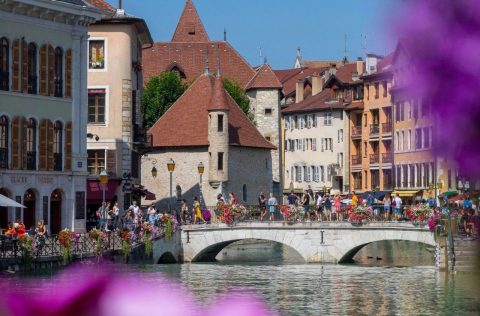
<point x="159" y="94"/>
<point x="239" y="95"/>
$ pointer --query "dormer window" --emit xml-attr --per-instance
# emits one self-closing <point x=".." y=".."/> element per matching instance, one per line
<point x="190" y="28"/>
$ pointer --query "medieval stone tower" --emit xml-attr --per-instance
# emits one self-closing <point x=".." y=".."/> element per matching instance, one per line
<point x="218" y="137"/>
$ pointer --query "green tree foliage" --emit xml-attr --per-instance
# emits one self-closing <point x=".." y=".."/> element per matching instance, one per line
<point x="159" y="94"/>
<point x="238" y="94"/>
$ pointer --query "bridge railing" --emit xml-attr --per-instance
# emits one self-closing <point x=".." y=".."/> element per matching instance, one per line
<point x="252" y="213"/>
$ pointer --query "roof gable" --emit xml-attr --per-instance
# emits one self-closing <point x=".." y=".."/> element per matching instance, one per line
<point x="185" y="124"/>
<point x="264" y="78"/>
<point x="190" y="27"/>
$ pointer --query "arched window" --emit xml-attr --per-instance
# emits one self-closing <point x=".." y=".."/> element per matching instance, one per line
<point x="244" y="193"/>
<point x="31" y="143"/>
<point x="4" y="63"/>
<point x="4" y="142"/>
<point x="32" y="68"/>
<point x="58" y="146"/>
<point x="58" y="72"/>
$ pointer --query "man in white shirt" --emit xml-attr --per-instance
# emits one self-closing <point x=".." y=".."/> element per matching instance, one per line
<point x="398" y="206"/>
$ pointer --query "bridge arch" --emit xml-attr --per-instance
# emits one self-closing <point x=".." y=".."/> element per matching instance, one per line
<point x="167" y="257"/>
<point x="348" y="256"/>
<point x="210" y="253"/>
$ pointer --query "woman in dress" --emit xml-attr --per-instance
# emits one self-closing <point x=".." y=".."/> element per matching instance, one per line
<point x="197" y="211"/>
<point x="336" y="207"/>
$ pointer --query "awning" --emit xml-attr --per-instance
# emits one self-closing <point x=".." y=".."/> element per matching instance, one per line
<point x="449" y="194"/>
<point x="95" y="190"/>
<point x="406" y="193"/>
<point x="379" y="195"/>
<point x="6" y="202"/>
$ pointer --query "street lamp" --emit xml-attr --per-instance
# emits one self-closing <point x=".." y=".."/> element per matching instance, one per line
<point x="201" y="169"/>
<point x="154" y="170"/>
<point x="103" y="178"/>
<point x="170" y="167"/>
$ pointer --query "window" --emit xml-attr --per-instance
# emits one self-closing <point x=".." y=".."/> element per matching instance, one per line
<point x="296" y="122"/>
<point x="365" y="120"/>
<point x="307" y="119"/>
<point x="341" y="160"/>
<point x="58" y="72"/>
<point x="415" y="109"/>
<point x="4" y="142"/>
<point x="31" y="142"/>
<point x="268" y="138"/>
<point x="32" y="69"/>
<point x="220" y="123"/>
<point x="220" y="161"/>
<point x="358" y="93"/>
<point x="314" y="120"/>
<point x="402" y="140"/>
<point x="96" y="161"/>
<point x="305" y="174"/>
<point x="409" y="140"/>
<point x="96" y="54"/>
<point x="426" y="137"/>
<point x="298" y="174"/>
<point x="327" y="119"/>
<point x="340" y="136"/>
<point x="367" y="91"/>
<point x="287" y="122"/>
<point x="4" y="64"/>
<point x="314" y="144"/>
<point x="385" y="89"/>
<point x="418" y="138"/>
<point x="57" y="146"/>
<point x="322" y="173"/>
<point x="365" y="149"/>
<point x="244" y="193"/>
<point x="397" y="141"/>
<point x="376" y="90"/>
<point x="96" y="106"/>
<point x="268" y="111"/>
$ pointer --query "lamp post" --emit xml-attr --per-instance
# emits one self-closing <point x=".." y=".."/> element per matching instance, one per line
<point x="201" y="169"/>
<point x="103" y="178"/>
<point x="170" y="167"/>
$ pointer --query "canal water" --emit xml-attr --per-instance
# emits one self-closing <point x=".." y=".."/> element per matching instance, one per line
<point x="387" y="279"/>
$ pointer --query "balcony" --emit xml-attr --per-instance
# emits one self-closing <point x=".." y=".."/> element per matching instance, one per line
<point x="3" y="158"/>
<point x="374" y="158"/>
<point x="387" y="158"/>
<point x="356" y="160"/>
<point x="374" y="130"/>
<point x="31" y="160"/>
<point x="356" y="131"/>
<point x="387" y="128"/>
<point x="57" y="159"/>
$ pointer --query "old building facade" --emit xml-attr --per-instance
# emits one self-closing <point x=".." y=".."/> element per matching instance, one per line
<point x="215" y="133"/>
<point x="115" y="84"/>
<point x="43" y="115"/>
<point x="188" y="52"/>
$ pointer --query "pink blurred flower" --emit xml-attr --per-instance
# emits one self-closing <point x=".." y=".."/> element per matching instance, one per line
<point x="101" y="293"/>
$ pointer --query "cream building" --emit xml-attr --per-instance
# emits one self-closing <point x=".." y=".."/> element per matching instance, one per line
<point x="115" y="85"/>
<point x="43" y="114"/>
<point x="315" y="143"/>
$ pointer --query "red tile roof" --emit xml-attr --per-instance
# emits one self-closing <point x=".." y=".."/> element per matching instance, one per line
<point x="190" y="28"/>
<point x="219" y="97"/>
<point x="186" y="122"/>
<point x="385" y="63"/>
<point x="191" y="58"/>
<point x="357" y="105"/>
<point x="345" y="73"/>
<point x="102" y="5"/>
<point x="322" y="63"/>
<point x="264" y="78"/>
<point x="290" y="77"/>
<point x="323" y="101"/>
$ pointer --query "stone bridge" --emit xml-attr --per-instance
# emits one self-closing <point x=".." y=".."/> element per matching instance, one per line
<point x="314" y="242"/>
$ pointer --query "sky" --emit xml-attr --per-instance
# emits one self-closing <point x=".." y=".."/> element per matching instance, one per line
<point x="276" y="28"/>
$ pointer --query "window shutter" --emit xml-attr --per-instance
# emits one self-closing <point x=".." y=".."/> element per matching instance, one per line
<point x="112" y="162"/>
<point x="24" y="143"/>
<point x="323" y="145"/>
<point x="68" y="73"/>
<point x="51" y="71"/>
<point x="43" y="70"/>
<point x="303" y="144"/>
<point x="314" y="144"/>
<point x="16" y="66"/>
<point x="24" y="81"/>
<point x="68" y="146"/>
<point x="50" y="159"/>
<point x="16" y="143"/>
<point x="43" y="144"/>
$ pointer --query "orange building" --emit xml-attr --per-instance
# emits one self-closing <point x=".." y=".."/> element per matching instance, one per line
<point x="371" y="129"/>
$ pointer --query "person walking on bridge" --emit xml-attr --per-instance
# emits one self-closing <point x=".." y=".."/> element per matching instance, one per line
<point x="272" y="206"/>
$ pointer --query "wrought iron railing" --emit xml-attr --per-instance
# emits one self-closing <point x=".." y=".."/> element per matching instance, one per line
<point x="356" y="131"/>
<point x="374" y="129"/>
<point x="387" y="157"/>
<point x="356" y="160"/>
<point x="374" y="158"/>
<point x="386" y="128"/>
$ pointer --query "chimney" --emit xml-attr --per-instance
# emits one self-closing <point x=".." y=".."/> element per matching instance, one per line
<point x="299" y="91"/>
<point x="359" y="67"/>
<point x="317" y="84"/>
